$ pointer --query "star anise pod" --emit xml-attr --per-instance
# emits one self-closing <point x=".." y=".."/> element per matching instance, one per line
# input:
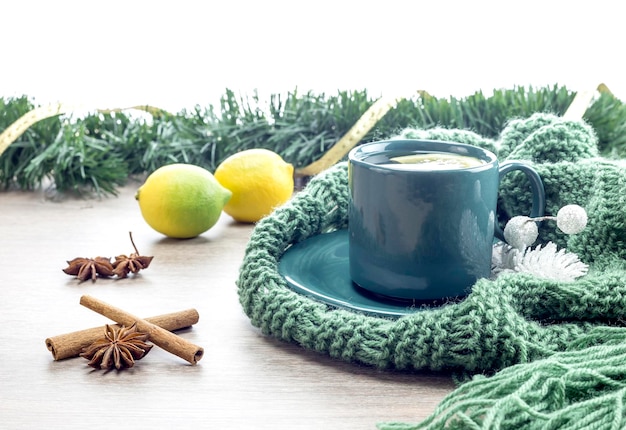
<point x="119" y="348"/>
<point x="123" y="264"/>
<point x="85" y="268"/>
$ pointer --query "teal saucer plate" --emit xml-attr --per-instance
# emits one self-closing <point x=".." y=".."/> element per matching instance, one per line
<point x="318" y="267"/>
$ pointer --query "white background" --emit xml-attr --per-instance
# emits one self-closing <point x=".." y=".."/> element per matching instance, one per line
<point x="176" y="54"/>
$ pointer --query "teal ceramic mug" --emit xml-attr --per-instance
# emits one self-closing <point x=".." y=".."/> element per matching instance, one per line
<point x="422" y="216"/>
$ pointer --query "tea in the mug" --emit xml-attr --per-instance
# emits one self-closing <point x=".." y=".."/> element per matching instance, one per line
<point x="431" y="161"/>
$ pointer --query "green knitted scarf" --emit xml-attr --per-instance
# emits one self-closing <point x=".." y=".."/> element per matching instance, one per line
<point x="555" y="352"/>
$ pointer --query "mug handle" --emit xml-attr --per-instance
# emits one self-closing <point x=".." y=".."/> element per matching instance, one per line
<point x="536" y="186"/>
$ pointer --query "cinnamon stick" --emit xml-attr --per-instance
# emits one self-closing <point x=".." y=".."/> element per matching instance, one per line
<point x="71" y="344"/>
<point x="159" y="336"/>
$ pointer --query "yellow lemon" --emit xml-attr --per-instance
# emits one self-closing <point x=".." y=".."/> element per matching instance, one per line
<point x="181" y="200"/>
<point x="260" y="181"/>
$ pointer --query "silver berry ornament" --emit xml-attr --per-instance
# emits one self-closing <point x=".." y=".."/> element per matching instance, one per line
<point x="521" y="232"/>
<point x="571" y="219"/>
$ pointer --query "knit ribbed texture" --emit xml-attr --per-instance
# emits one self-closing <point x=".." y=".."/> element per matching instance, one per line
<point x="555" y="347"/>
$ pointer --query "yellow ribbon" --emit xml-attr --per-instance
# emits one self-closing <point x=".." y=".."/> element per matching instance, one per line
<point x="367" y="121"/>
<point x="581" y="102"/>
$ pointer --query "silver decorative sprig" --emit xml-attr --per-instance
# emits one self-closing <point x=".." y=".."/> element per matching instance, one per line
<point x="521" y="231"/>
<point x="546" y="262"/>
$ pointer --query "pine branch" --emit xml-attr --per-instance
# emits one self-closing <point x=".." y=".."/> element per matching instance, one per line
<point x="19" y="155"/>
<point x="75" y="161"/>
<point x="607" y="115"/>
<point x="101" y="150"/>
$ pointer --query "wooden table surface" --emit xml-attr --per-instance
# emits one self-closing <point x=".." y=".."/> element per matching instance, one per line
<point x="244" y="380"/>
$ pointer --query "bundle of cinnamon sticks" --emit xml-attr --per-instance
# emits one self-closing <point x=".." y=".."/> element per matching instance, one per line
<point x="158" y="328"/>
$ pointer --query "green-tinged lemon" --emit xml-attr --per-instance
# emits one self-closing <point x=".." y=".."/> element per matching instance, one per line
<point x="181" y="200"/>
<point x="260" y="181"/>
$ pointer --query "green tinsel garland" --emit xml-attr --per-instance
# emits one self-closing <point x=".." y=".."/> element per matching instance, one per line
<point x="99" y="151"/>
